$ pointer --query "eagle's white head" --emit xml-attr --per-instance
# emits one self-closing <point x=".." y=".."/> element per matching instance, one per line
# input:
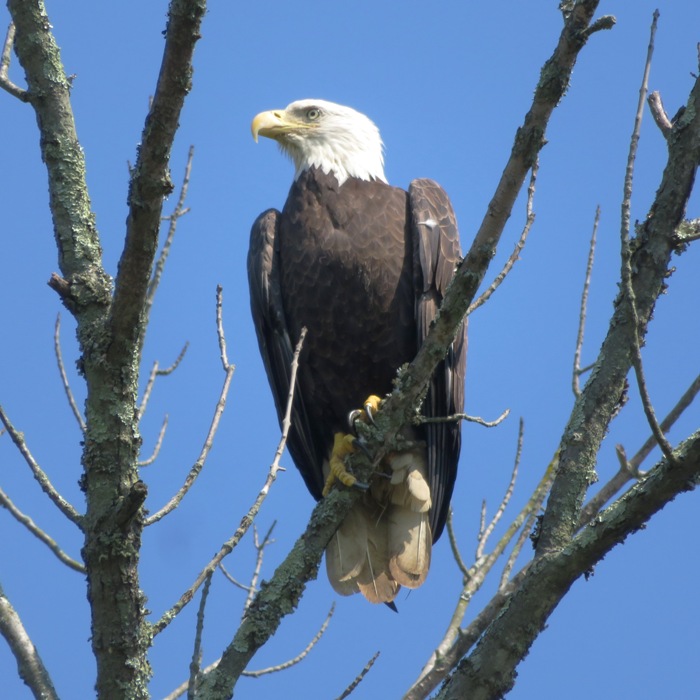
<point x="328" y="136"/>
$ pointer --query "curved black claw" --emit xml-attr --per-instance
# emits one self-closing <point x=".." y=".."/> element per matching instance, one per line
<point x="352" y="417"/>
<point x="360" y="486"/>
<point x="369" y="414"/>
<point x="361" y="444"/>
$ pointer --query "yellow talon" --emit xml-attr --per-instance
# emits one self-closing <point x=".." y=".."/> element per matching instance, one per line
<point x="342" y="447"/>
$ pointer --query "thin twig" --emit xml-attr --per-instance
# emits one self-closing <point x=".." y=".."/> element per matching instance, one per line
<point x="249" y="517"/>
<point x="455" y="546"/>
<point x="435" y="668"/>
<point x="515" y="552"/>
<point x="197" y="467"/>
<point x="156" y="371"/>
<point x="46" y="486"/>
<point x="5" y="82"/>
<point x="287" y="420"/>
<point x="231" y="579"/>
<point x="182" y="688"/>
<point x="584" y="306"/>
<point x="420" y="419"/>
<point x="631" y="467"/>
<point x="506" y="498"/>
<point x="358" y="678"/>
<point x="260" y="549"/>
<point x="627" y="254"/>
<point x="64" y="377"/>
<point x="179" y="211"/>
<point x="298" y="657"/>
<point x="196" y="663"/>
<point x="482" y="527"/>
<point x="159" y="442"/>
<point x="30" y="666"/>
<point x="515" y="255"/>
<point x="25" y="520"/>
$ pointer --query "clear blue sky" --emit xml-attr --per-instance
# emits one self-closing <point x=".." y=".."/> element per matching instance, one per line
<point x="447" y="83"/>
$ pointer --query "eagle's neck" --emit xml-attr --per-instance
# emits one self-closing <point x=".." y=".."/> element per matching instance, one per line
<point x="344" y="156"/>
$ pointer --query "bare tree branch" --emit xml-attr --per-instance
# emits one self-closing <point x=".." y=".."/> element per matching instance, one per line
<point x="584" y="307"/>
<point x="156" y="371"/>
<point x="5" y="82"/>
<point x="64" y="377"/>
<point x="249" y="517"/>
<point x="594" y="408"/>
<point x="109" y="326"/>
<point x="627" y="254"/>
<point x="454" y="545"/>
<point x="196" y="663"/>
<point x="420" y="419"/>
<point x="46" y="486"/>
<point x="178" y="212"/>
<point x="658" y="112"/>
<point x="630" y="468"/>
<point x="555" y="76"/>
<point x="688" y="231"/>
<point x="25" y="520"/>
<point x="159" y="442"/>
<point x="488" y="671"/>
<point x="358" y="679"/>
<point x="31" y="669"/>
<point x="182" y="688"/>
<point x="515" y="255"/>
<point x="197" y="467"/>
<point x="484" y="536"/>
<point x="260" y="552"/>
<point x="299" y="657"/>
<point x="456" y="641"/>
<point x="151" y="182"/>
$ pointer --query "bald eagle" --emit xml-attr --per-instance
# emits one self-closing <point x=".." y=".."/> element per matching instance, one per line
<point x="363" y="266"/>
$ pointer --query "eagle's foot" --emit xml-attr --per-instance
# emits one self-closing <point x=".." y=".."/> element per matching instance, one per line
<point x="366" y="413"/>
<point x="343" y="445"/>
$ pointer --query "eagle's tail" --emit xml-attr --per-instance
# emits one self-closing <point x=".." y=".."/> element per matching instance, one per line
<point x="385" y="541"/>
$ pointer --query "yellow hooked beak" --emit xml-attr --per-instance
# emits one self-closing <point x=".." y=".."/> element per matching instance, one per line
<point x="275" y="124"/>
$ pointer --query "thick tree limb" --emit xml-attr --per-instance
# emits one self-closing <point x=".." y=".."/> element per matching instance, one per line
<point x="529" y="139"/>
<point x="151" y="183"/>
<point x="79" y="251"/>
<point x="490" y="671"/>
<point x="650" y="261"/>
<point x="108" y="330"/>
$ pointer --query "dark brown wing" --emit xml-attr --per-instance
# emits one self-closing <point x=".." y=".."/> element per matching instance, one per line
<point x="436" y="253"/>
<point x="275" y="344"/>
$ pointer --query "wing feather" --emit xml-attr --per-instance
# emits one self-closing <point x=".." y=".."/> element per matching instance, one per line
<point x="436" y="254"/>
<point x="276" y="346"/>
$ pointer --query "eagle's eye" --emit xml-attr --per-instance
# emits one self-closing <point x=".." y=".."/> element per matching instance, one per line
<point x="313" y="114"/>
